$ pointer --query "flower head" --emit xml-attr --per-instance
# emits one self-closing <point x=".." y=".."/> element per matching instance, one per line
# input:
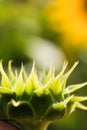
<point x="25" y="99"/>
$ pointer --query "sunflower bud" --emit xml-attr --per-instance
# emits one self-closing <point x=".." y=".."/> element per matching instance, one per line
<point x="31" y="103"/>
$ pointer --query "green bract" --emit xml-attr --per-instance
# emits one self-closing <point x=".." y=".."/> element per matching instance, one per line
<point x="32" y="103"/>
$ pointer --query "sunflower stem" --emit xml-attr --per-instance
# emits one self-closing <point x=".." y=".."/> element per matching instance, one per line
<point x="36" y="126"/>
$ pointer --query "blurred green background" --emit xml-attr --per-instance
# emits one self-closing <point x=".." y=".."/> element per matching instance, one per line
<point x="47" y="31"/>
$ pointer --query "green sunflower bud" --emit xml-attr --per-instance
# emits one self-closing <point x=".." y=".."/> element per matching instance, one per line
<point x="31" y="103"/>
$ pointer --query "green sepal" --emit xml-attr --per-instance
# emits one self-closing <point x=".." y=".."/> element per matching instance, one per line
<point x="74" y="103"/>
<point x="31" y="83"/>
<point x="12" y="76"/>
<point x="54" y="113"/>
<point x="55" y="85"/>
<point x="73" y="88"/>
<point x="58" y="110"/>
<point x="4" y="100"/>
<point x="72" y="106"/>
<point x="19" y="85"/>
<point x="66" y="76"/>
<point x="49" y="76"/>
<point x="78" y="99"/>
<point x="4" y="90"/>
<point x="80" y="106"/>
<point x="40" y="101"/>
<point x="20" y="110"/>
<point x="5" y="82"/>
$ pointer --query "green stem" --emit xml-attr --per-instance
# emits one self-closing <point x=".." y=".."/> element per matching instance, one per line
<point x="36" y="126"/>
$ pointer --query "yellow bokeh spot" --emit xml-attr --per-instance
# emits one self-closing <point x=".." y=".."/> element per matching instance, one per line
<point x="70" y="18"/>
